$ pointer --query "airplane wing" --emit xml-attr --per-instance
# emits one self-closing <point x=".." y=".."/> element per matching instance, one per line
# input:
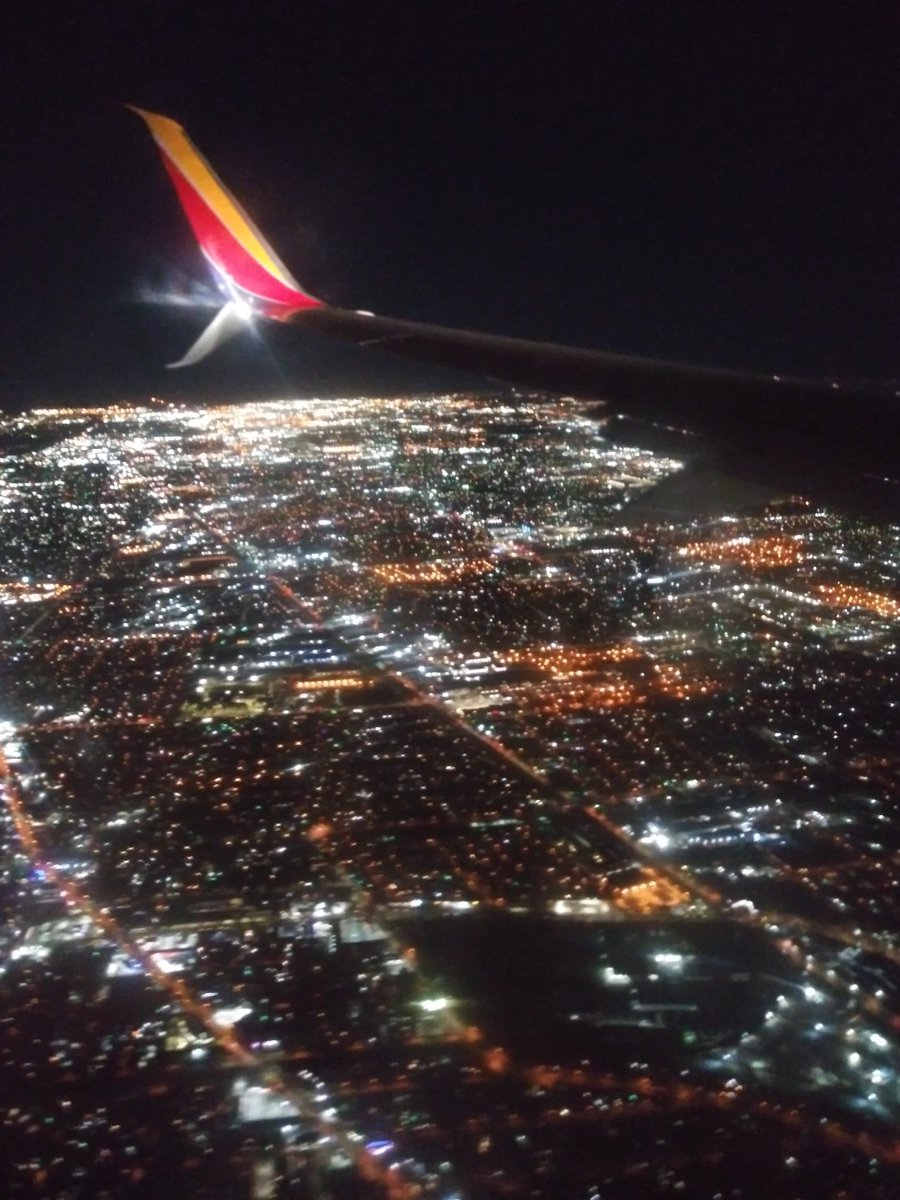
<point x="834" y="443"/>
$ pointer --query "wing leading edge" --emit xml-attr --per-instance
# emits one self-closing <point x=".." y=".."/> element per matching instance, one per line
<point x="836" y="443"/>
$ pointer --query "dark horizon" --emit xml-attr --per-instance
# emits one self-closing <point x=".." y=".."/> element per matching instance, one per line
<point x="714" y="186"/>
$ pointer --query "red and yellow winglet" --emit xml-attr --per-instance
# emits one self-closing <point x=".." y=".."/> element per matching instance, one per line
<point x="256" y="279"/>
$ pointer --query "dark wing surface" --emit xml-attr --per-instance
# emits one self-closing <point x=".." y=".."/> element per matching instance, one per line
<point x="837" y="444"/>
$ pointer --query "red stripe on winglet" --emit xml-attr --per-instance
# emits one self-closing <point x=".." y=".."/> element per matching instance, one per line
<point x="221" y="246"/>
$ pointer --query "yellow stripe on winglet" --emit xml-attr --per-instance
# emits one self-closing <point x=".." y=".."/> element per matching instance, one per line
<point x="180" y="150"/>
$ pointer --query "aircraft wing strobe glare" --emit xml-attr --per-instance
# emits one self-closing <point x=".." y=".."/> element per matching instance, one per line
<point x="251" y="273"/>
<point x="836" y="444"/>
<point x="227" y="322"/>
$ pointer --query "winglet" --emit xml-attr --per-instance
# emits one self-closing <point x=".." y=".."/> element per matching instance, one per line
<point x="247" y="264"/>
<point x="225" y="324"/>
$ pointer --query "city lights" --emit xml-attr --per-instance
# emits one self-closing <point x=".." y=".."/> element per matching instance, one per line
<point x="384" y="799"/>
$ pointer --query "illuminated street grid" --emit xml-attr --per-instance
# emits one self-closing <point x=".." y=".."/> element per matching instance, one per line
<point x="332" y="730"/>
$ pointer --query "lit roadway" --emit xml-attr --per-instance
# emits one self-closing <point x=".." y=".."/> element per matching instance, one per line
<point x="226" y="1039"/>
<point x="765" y="920"/>
<point x="276" y="1080"/>
<point x="190" y="1005"/>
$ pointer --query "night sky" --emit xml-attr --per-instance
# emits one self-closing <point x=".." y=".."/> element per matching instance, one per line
<point x="716" y="183"/>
